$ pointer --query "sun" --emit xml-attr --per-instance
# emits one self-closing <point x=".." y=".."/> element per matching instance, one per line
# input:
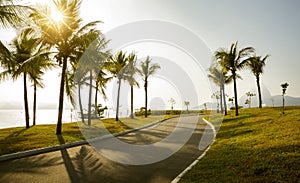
<point x="56" y="15"/>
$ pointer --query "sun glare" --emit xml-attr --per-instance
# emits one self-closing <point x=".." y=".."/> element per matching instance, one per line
<point x="56" y="15"/>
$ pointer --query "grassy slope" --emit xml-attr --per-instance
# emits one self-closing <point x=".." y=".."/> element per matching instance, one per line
<point x="260" y="145"/>
<point x="21" y="139"/>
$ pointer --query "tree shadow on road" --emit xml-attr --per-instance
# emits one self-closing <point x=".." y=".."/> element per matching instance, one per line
<point x="82" y="166"/>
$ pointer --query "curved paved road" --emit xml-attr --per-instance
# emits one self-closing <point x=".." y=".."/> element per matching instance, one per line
<point x="84" y="164"/>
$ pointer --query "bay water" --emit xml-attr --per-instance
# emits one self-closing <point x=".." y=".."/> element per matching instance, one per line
<point x="16" y="118"/>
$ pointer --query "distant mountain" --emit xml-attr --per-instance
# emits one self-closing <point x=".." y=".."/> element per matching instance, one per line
<point x="268" y="100"/>
<point x="289" y="101"/>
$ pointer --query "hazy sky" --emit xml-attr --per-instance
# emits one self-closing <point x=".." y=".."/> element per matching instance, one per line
<point x="270" y="26"/>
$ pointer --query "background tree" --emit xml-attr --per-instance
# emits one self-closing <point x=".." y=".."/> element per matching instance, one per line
<point x="216" y="75"/>
<point x="205" y="106"/>
<point x="101" y="81"/>
<point x="233" y="60"/>
<point x="217" y="96"/>
<point x="249" y="94"/>
<point x="256" y="64"/>
<point x="187" y="103"/>
<point x="117" y="67"/>
<point x="92" y="61"/>
<point x="172" y="102"/>
<point x="132" y="70"/>
<point x="247" y="102"/>
<point x="284" y="87"/>
<point x="147" y="69"/>
<point x="27" y="59"/>
<point x="231" y="100"/>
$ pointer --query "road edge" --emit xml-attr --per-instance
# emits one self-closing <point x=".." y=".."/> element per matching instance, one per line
<point x="178" y="178"/>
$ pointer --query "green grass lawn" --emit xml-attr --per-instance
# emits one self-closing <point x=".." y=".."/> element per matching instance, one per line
<point x="260" y="145"/>
<point x="20" y="139"/>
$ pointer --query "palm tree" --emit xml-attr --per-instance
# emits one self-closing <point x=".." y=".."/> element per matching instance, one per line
<point x="131" y="71"/>
<point x="284" y="87"/>
<point x="233" y="60"/>
<point x="218" y="95"/>
<point x="217" y="76"/>
<point x="249" y="94"/>
<point x="187" y="103"/>
<point x="172" y="102"/>
<point x="12" y="15"/>
<point x="92" y="61"/>
<point x="101" y="80"/>
<point x="65" y="36"/>
<point x="220" y="78"/>
<point x="147" y="69"/>
<point x="79" y="81"/>
<point x="38" y="67"/>
<point x="117" y="67"/>
<point x="27" y="59"/>
<point x="256" y="64"/>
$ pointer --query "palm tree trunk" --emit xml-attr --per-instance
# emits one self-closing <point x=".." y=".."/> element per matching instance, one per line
<point x="80" y="103"/>
<point x="90" y="99"/>
<point x="235" y="95"/>
<point x="96" y="101"/>
<point x="221" y="99"/>
<point x="26" y="102"/>
<point x="283" y="103"/>
<point x="34" y="103"/>
<point x="224" y="97"/>
<point x="259" y="92"/>
<point x="61" y="97"/>
<point x="146" y="98"/>
<point x="131" y="102"/>
<point x="118" y="100"/>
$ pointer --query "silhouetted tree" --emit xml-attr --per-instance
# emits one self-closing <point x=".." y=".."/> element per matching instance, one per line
<point x="256" y="64"/>
<point x="233" y="60"/>
<point x="117" y="67"/>
<point x="284" y="87"/>
<point x="147" y="69"/>
<point x="66" y="36"/>
<point x="187" y="103"/>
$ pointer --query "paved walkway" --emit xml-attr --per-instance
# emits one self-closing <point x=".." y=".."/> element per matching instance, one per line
<point x="84" y="164"/>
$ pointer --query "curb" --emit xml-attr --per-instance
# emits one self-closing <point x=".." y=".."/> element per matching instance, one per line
<point x="177" y="179"/>
<point x="33" y="152"/>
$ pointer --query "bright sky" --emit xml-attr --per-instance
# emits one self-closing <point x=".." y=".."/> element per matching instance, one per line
<point x="270" y="26"/>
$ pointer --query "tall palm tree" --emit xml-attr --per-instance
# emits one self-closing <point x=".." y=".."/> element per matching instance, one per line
<point x="131" y="71"/>
<point x="256" y="64"/>
<point x="147" y="69"/>
<point x="65" y="36"/>
<point x="38" y="67"/>
<point x="101" y="78"/>
<point x="233" y="60"/>
<point x="92" y="62"/>
<point x="117" y="67"/>
<point x="27" y="59"/>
